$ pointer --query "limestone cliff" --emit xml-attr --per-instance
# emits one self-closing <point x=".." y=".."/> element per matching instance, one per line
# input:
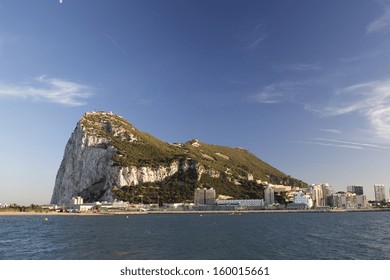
<point x="107" y="157"/>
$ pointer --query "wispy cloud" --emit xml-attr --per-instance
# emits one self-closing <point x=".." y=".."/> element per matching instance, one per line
<point x="358" y="144"/>
<point x="257" y="41"/>
<point x="362" y="56"/>
<point x="269" y="96"/>
<point x="279" y="92"/>
<point x="298" y="67"/>
<point x="342" y="144"/>
<point x="272" y="94"/>
<point x="381" y="24"/>
<point x="49" y="90"/>
<point x="371" y="100"/>
<point x="329" y="144"/>
<point x="253" y="37"/>
<point x="116" y="45"/>
<point x="330" y="130"/>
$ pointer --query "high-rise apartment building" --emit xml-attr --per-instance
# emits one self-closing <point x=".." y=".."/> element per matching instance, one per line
<point x="204" y="196"/>
<point x="326" y="193"/>
<point x="357" y="189"/>
<point x="379" y="193"/>
<point x="269" y="195"/>
<point x="317" y="195"/>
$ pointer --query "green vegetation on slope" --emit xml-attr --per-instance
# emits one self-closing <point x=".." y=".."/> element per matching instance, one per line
<point x="136" y="148"/>
<point x="237" y="161"/>
<point x="181" y="186"/>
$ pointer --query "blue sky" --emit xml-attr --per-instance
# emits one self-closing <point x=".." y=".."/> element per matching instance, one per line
<point x="304" y="85"/>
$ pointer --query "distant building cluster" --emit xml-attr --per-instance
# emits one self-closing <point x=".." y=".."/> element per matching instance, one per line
<point x="205" y="199"/>
<point x="316" y="196"/>
<point x="321" y="196"/>
<point x="78" y="205"/>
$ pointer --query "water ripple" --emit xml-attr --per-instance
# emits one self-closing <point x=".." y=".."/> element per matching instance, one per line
<point x="248" y="236"/>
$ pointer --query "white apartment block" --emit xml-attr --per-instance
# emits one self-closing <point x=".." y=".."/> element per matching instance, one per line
<point x="379" y="191"/>
<point x="348" y="200"/>
<point x="269" y="195"/>
<point x="317" y="196"/>
<point x="300" y="198"/>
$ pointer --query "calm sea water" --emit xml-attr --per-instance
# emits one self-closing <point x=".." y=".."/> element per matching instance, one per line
<point x="272" y="236"/>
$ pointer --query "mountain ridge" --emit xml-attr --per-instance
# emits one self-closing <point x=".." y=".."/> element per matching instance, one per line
<point x="106" y="157"/>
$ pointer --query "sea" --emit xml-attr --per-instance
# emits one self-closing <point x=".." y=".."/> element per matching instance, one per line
<point x="246" y="236"/>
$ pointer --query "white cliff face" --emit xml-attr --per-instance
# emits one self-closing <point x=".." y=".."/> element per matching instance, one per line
<point x="87" y="166"/>
<point x="131" y="176"/>
<point x="202" y="170"/>
<point x="87" y="160"/>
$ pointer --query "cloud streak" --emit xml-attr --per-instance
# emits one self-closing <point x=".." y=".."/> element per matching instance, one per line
<point x="381" y="24"/>
<point x="371" y="100"/>
<point x="117" y="45"/>
<point x="279" y="92"/>
<point x="49" y="90"/>
<point x="330" y="130"/>
<point x="256" y="42"/>
<point x="329" y="144"/>
<point x="254" y="38"/>
<point x="357" y="144"/>
<point x="269" y="95"/>
<point x="342" y="144"/>
<point x="298" y="67"/>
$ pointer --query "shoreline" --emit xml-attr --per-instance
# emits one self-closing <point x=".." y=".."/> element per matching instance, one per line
<point x="223" y="212"/>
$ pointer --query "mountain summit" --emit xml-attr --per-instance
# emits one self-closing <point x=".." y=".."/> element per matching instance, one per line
<point x="106" y="158"/>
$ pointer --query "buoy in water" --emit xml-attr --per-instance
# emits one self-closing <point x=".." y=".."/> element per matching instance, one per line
<point x="46" y="219"/>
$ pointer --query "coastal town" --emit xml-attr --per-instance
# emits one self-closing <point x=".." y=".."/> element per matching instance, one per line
<point x="317" y="197"/>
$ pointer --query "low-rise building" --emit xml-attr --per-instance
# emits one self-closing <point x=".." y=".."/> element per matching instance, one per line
<point x="242" y="203"/>
<point x="178" y="206"/>
<point x="49" y="207"/>
<point x="77" y="200"/>
<point x="119" y="204"/>
<point x="301" y="198"/>
<point x="361" y="201"/>
<point x="281" y="188"/>
<point x="296" y="206"/>
<point x="348" y="200"/>
<point x="82" y="207"/>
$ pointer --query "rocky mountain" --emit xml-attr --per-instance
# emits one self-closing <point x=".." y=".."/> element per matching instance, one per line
<point x="106" y="158"/>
